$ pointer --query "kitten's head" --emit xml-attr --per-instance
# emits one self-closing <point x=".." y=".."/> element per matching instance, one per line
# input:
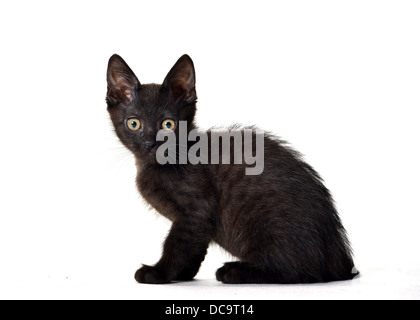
<point x="139" y="111"/>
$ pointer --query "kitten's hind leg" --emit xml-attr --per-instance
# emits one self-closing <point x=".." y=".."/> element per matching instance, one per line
<point x="243" y="272"/>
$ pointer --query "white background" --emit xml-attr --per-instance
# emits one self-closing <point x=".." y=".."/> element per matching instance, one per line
<point x="338" y="79"/>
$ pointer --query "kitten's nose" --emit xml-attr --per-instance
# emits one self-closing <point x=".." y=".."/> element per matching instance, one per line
<point x="150" y="144"/>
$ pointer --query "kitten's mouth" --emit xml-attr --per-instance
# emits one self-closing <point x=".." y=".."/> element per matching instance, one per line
<point x="151" y="153"/>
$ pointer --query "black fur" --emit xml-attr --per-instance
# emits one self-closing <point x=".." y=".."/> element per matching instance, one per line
<point x="282" y="225"/>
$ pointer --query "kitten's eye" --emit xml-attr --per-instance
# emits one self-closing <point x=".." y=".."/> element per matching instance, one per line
<point x="168" y="124"/>
<point x="133" y="124"/>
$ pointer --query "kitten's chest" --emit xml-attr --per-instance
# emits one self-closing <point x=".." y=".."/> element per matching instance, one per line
<point x="163" y="190"/>
<point x="178" y="191"/>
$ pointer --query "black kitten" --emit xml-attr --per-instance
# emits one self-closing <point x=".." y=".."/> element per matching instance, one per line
<point x="281" y="224"/>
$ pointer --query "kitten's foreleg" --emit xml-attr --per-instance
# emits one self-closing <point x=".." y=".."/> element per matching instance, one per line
<point x="191" y="270"/>
<point x="183" y="252"/>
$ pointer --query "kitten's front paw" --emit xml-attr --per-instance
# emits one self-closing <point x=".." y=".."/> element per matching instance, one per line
<point x="151" y="275"/>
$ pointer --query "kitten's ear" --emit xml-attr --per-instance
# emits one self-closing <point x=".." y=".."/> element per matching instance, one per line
<point x="122" y="82"/>
<point x="181" y="80"/>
